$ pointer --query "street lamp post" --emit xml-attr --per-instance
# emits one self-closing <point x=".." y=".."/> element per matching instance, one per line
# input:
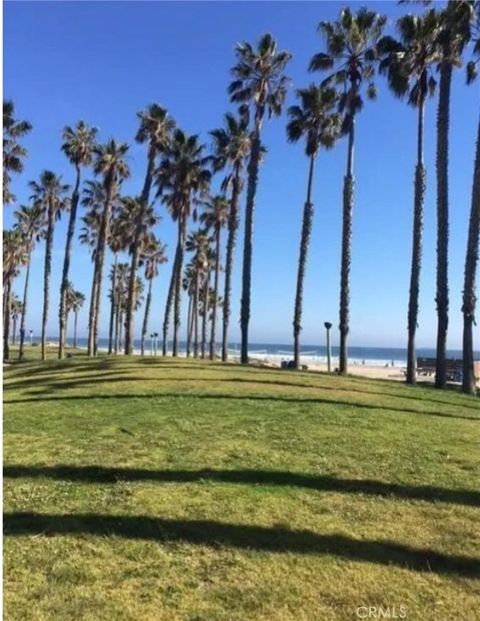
<point x="328" y="325"/>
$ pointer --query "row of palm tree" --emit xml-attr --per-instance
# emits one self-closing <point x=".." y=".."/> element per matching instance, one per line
<point x="181" y="169"/>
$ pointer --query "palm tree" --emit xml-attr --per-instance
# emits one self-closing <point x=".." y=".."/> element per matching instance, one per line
<point x="13" y="152"/>
<point x="215" y="218"/>
<point x="231" y="147"/>
<point x="121" y="293"/>
<point x="182" y="176"/>
<point x="139" y="222"/>
<point x="156" y="127"/>
<point x="49" y="194"/>
<point x="120" y="238"/>
<point x="471" y="259"/>
<point x="260" y="81"/>
<point x="78" y="301"/>
<point x="15" y="256"/>
<point x="351" y="53"/>
<point x="110" y="164"/>
<point x="314" y="120"/>
<point x="121" y="286"/>
<point x="30" y="221"/>
<point x="78" y="145"/>
<point x="69" y="304"/>
<point x="408" y="64"/>
<point x="152" y="256"/>
<point x="94" y="200"/>
<point x="197" y="243"/>
<point x="205" y="297"/>
<point x="188" y="285"/>
<point x="15" y="313"/>
<point x="453" y="36"/>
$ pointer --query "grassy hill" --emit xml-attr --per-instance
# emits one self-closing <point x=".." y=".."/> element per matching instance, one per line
<point x="154" y="489"/>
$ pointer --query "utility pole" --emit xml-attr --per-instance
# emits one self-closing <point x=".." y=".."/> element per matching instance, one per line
<point x="328" y="325"/>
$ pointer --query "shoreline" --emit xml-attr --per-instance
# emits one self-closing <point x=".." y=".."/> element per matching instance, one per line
<point x="374" y="369"/>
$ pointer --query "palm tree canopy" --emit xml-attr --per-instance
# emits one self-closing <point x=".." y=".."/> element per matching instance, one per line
<point x="153" y="255"/>
<point x="231" y="144"/>
<point x="314" y="118"/>
<point x="408" y="62"/>
<point x="110" y="161"/>
<point x="474" y="37"/>
<point x="130" y="209"/>
<point x="183" y="173"/>
<point x="49" y="193"/>
<point x="121" y="287"/>
<point x="15" y="253"/>
<point x="16" y="306"/>
<point x="351" y="44"/>
<point x="11" y="126"/>
<point x="79" y="300"/>
<point x="30" y="221"/>
<point x="156" y="126"/>
<point x="198" y="242"/>
<point x="79" y="143"/>
<point x="75" y="299"/>
<point x="13" y="152"/>
<point x="259" y="77"/>
<point x="456" y="21"/>
<point x="216" y="212"/>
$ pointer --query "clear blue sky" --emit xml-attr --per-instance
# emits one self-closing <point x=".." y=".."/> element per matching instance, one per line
<point x="104" y="61"/>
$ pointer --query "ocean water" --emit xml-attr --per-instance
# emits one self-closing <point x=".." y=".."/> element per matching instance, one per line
<point x="315" y="353"/>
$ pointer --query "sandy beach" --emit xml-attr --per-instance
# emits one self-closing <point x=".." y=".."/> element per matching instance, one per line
<point x="376" y="371"/>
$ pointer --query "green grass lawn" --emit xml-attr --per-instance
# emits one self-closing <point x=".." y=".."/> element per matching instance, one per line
<point x="162" y="490"/>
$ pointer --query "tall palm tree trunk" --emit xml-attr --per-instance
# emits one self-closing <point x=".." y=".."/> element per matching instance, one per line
<point x="253" y="166"/>
<point x="195" y="311"/>
<point x="348" y="189"/>
<point x="206" y="287"/>
<point x="420" y="184"/>
<point x="6" y="319"/>
<point x="443" y="120"/>
<point x="14" y="329"/>
<point x="178" y="283"/>
<point x="213" y="336"/>
<point x="168" y="305"/>
<point x="189" y="325"/>
<point x="100" y="261"/>
<point x="46" y="280"/>
<point x="66" y="330"/>
<point x="146" y="315"/>
<point x="471" y="262"/>
<point x="120" y="330"/>
<point x="233" y="222"/>
<point x="91" y="312"/>
<point x="130" y="311"/>
<point x="117" y="329"/>
<point x="75" y="329"/>
<point x="113" y="305"/>
<point x="23" y="316"/>
<point x="66" y="265"/>
<point x="302" y="263"/>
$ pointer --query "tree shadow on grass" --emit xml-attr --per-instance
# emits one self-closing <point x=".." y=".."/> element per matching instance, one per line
<point x="213" y="396"/>
<point x="246" y="537"/>
<point x="110" y="369"/>
<point x="100" y="474"/>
